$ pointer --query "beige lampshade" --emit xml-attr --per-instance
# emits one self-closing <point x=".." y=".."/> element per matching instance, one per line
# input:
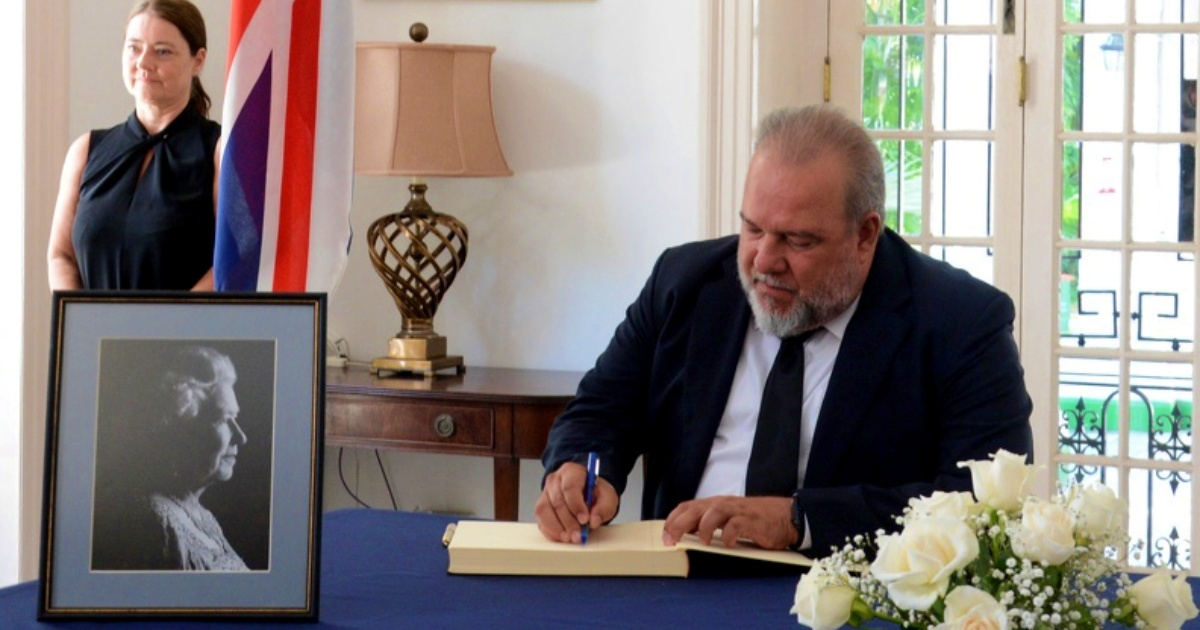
<point x="425" y="110"/>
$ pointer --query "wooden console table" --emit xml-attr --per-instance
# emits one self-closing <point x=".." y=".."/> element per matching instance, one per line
<point x="500" y="413"/>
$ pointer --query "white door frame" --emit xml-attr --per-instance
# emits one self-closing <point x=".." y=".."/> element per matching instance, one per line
<point x="46" y="116"/>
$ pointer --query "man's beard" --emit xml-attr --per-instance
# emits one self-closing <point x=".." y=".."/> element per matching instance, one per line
<point x="809" y="310"/>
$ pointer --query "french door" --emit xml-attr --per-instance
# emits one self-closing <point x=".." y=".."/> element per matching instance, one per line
<point x="1048" y="147"/>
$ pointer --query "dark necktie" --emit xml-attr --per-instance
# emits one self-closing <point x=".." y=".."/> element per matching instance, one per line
<point x="774" y="460"/>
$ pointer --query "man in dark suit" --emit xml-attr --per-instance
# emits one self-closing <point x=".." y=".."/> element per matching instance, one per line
<point x="908" y="366"/>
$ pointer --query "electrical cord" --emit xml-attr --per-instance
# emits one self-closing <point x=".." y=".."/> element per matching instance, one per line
<point x="382" y="471"/>
<point x="386" y="481"/>
<point x="346" y="486"/>
<point x="340" y="348"/>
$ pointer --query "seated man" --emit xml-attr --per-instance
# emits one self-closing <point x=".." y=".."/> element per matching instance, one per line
<point x="892" y="367"/>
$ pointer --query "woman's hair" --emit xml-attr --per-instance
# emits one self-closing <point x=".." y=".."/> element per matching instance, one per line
<point x="799" y="135"/>
<point x="191" y="376"/>
<point x="186" y="17"/>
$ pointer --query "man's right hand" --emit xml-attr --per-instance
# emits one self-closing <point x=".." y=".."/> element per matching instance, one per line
<point x="561" y="510"/>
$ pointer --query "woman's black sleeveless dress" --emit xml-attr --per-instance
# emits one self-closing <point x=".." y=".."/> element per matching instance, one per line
<point x="156" y="233"/>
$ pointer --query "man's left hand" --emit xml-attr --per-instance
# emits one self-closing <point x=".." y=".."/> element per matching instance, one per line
<point x="764" y="521"/>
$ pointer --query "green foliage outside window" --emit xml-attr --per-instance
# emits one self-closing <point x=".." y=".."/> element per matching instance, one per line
<point x="1072" y="120"/>
<point x="884" y="12"/>
<point x="893" y="98"/>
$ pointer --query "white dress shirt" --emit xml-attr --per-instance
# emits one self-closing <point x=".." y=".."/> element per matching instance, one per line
<point x="725" y="472"/>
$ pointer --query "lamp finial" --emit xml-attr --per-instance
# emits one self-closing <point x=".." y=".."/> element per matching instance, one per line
<point x="418" y="32"/>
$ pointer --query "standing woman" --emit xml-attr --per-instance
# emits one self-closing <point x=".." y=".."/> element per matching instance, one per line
<point x="137" y="202"/>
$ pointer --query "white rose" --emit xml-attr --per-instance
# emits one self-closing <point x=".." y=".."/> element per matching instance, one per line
<point x="959" y="505"/>
<point x="822" y="603"/>
<point x="1098" y="511"/>
<point x="1001" y="483"/>
<point x="1163" y="602"/>
<point x="917" y="564"/>
<point x="968" y="608"/>
<point x="1046" y="533"/>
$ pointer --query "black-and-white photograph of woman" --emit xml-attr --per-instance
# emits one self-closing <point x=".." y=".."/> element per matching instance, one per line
<point x="183" y="457"/>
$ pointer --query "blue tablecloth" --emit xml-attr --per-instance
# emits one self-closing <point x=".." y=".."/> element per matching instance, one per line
<point x="388" y="570"/>
<point x="383" y="569"/>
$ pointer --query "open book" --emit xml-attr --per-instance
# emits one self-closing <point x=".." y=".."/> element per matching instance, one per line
<point x="505" y="548"/>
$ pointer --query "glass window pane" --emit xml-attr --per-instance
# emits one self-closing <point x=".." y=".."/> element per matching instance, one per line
<point x="978" y="261"/>
<point x="1093" y="86"/>
<point x="1160" y="414"/>
<point x="894" y="12"/>
<point x="1089" y="298"/>
<point x="1093" y="82"/>
<point x="965" y="12"/>
<point x="1164" y="99"/>
<point x="893" y="82"/>
<point x="963" y="70"/>
<point x="881" y="12"/>
<point x="881" y="82"/>
<point x="914" y="11"/>
<point x="1160" y="509"/>
<point x="1163" y="308"/>
<point x="1158" y="191"/>
<point x="1071" y="180"/>
<point x="1088" y="422"/>
<point x="914" y="82"/>
<point x="1167" y="11"/>
<point x="961" y="188"/>
<point x="1187" y="192"/>
<point x="1072" y="83"/>
<point x="902" y="165"/>
<point x="1092" y="199"/>
<point x="1072" y="11"/>
<point x="1086" y="474"/>
<point x="1093" y="11"/>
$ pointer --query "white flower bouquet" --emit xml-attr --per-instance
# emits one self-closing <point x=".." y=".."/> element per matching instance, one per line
<point x="1008" y="560"/>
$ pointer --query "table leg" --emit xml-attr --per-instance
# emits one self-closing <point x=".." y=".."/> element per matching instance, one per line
<point x="506" y="472"/>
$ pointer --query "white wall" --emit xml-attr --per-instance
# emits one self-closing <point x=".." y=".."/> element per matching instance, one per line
<point x="45" y="101"/>
<point x="599" y="111"/>
<point x="12" y="176"/>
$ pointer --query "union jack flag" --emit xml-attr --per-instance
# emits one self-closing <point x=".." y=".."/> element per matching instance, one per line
<point x="283" y="198"/>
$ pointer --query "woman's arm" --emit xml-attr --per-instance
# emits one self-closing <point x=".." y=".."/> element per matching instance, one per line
<point x="63" y="270"/>
<point x="205" y="283"/>
<point x="208" y="281"/>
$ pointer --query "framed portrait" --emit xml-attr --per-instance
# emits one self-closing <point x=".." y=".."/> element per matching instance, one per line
<point x="183" y="456"/>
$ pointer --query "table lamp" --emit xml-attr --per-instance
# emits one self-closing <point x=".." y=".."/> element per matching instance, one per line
<point x="422" y="110"/>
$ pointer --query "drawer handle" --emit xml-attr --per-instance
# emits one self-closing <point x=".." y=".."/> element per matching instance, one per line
<point x="443" y="425"/>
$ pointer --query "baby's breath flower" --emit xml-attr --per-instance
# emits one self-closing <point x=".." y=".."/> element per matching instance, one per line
<point x="1088" y="589"/>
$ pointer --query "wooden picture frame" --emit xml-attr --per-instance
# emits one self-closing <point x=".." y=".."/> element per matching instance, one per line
<point x="183" y="456"/>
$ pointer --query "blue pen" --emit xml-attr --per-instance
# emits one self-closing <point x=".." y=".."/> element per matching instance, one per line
<point x="593" y="471"/>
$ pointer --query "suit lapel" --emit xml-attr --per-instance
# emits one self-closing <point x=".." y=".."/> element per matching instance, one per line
<point x="872" y="339"/>
<point x="722" y="316"/>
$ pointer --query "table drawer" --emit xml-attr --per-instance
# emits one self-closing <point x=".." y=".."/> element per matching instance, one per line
<point x="354" y="418"/>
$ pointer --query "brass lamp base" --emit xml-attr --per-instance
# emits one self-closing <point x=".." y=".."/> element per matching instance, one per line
<point x="425" y="367"/>
<point x="416" y="347"/>
<point x="423" y="354"/>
